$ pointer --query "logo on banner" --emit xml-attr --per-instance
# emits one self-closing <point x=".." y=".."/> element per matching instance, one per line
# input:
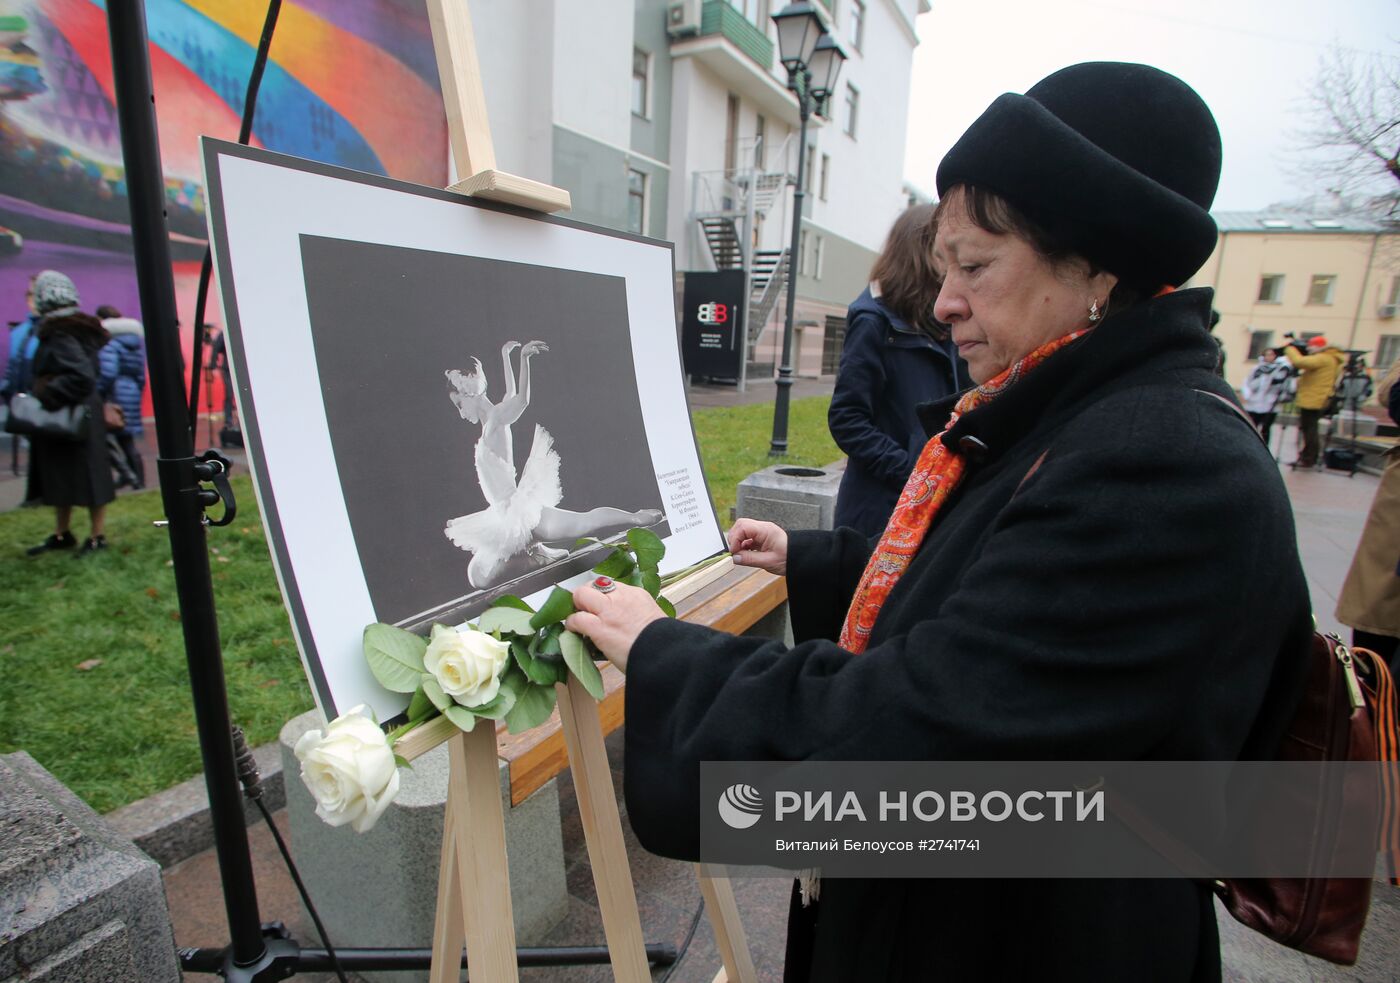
<point x="713" y="313"/>
<point x="740" y="806"/>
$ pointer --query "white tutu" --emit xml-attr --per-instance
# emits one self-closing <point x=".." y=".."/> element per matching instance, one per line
<point x="507" y="525"/>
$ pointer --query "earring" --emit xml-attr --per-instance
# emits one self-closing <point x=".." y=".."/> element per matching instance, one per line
<point x="1095" y="315"/>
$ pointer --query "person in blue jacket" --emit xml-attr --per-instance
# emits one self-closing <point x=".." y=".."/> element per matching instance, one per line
<point x="23" y="342"/>
<point x="123" y="381"/>
<point x="896" y="357"/>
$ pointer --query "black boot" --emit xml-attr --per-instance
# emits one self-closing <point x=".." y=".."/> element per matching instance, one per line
<point x="58" y="541"/>
<point x="92" y="545"/>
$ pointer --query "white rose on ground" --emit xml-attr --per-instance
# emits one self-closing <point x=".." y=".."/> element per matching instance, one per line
<point x="349" y="769"/>
<point x="466" y="664"/>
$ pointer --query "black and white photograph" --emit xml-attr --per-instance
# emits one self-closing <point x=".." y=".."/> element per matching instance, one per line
<point x="441" y="397"/>
<point x="502" y="474"/>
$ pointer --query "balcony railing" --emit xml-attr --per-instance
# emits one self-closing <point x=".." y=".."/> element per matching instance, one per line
<point x="719" y="17"/>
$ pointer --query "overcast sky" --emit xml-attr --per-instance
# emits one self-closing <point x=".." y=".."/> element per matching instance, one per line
<point x="1251" y="60"/>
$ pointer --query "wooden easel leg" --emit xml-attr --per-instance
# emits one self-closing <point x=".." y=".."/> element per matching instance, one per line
<point x="733" y="944"/>
<point x="449" y="928"/>
<point x="474" y="881"/>
<point x="602" y="831"/>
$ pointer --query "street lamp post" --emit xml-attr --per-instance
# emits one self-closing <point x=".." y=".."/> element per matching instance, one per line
<point x="813" y="60"/>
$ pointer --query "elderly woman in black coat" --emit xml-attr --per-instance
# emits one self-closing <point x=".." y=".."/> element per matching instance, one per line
<point x="1094" y="558"/>
<point x="65" y="473"/>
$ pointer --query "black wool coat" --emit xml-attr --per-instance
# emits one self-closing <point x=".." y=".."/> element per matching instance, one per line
<point x="65" y="370"/>
<point x="1117" y="578"/>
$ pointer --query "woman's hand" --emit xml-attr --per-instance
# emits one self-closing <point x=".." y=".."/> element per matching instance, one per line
<point x="613" y="620"/>
<point x="753" y="543"/>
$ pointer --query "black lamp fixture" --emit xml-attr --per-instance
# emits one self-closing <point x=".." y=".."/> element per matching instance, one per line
<point x="813" y="61"/>
<point x="824" y="68"/>
<point x="799" y="27"/>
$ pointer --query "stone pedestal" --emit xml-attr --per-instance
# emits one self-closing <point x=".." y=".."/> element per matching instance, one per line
<point x="78" y="902"/>
<point x="793" y="497"/>
<point x="380" y="888"/>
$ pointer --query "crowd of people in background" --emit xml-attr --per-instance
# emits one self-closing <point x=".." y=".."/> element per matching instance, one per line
<point x="64" y="357"/>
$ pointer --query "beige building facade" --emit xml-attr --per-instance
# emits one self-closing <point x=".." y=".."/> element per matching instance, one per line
<point x="1276" y="272"/>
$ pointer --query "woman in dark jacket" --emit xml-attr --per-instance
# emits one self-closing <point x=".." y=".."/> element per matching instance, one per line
<point x="123" y="364"/>
<point x="68" y="473"/>
<point x="896" y="356"/>
<point x="1094" y="558"/>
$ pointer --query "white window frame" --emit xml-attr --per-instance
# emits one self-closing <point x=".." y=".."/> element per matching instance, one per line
<point x="852" y="105"/>
<point x="1276" y="295"/>
<point x="1314" y="283"/>
<point x="824" y="183"/>
<point x="644" y="196"/>
<point x="857" y="22"/>
<point x="645" y="112"/>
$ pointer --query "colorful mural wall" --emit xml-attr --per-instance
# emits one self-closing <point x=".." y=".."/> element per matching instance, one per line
<point x="349" y="82"/>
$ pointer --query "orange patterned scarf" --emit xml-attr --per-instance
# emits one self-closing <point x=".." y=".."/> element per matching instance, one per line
<point x="937" y="473"/>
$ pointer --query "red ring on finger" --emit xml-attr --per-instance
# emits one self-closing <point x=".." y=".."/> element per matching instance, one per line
<point x="604" y="585"/>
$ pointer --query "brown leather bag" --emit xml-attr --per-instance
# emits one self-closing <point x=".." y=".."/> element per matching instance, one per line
<point x="1347" y="713"/>
<point x="113" y="416"/>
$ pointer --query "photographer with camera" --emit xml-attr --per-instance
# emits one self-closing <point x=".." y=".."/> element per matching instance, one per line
<point x="1318" y="364"/>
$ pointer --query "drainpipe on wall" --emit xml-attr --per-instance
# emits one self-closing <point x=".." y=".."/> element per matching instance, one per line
<point x="1365" y="282"/>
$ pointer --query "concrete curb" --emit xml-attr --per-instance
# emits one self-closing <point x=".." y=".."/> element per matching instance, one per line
<point x="174" y="825"/>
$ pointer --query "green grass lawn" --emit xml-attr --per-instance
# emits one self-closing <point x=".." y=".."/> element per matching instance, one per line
<point x="96" y="686"/>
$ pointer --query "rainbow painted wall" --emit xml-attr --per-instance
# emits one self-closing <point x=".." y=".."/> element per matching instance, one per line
<point x="349" y="82"/>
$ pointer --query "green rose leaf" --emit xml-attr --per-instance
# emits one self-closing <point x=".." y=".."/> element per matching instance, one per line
<point x="580" y="662"/>
<point x="513" y="683"/>
<point x="461" y="717"/>
<point x="666" y="606"/>
<point x="558" y="606"/>
<point x="651" y="582"/>
<point x="511" y="601"/>
<point x="401" y="762"/>
<point x="617" y="565"/>
<point x="420" y="706"/>
<point x="531" y="709"/>
<point x="588" y="541"/>
<point x="648" y="547"/>
<point x="395" y="657"/>
<point x="536" y="670"/>
<point x="506" y="620"/>
<point x="548" y="643"/>
<point x="435" y="694"/>
<point x="634" y="578"/>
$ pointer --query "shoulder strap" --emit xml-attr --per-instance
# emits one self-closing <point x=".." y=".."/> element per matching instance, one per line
<point x="1234" y="409"/>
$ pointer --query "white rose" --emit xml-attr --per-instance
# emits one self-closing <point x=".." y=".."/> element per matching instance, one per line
<point x="349" y="769"/>
<point x="466" y="664"/>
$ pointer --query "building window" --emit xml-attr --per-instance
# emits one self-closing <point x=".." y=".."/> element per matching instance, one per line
<point x="1387" y="350"/>
<point x="640" y="64"/>
<point x="826" y="177"/>
<point x="817" y="251"/>
<point x="1271" y="288"/>
<point x="1258" y="342"/>
<point x="755" y="11"/>
<point x="1394" y="291"/>
<point x="1320" y="291"/>
<point x="760" y="143"/>
<point x="802" y="253"/>
<point x="636" y="201"/>
<point x="811" y="167"/>
<point x="857" y="24"/>
<point x="852" y="110"/>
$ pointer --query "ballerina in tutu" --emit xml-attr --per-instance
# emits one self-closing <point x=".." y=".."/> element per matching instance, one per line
<point x="522" y="516"/>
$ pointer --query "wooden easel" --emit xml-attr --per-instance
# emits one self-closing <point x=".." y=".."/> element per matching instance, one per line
<point x="473" y="901"/>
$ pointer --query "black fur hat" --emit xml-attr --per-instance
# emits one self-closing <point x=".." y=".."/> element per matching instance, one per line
<point x="1118" y="161"/>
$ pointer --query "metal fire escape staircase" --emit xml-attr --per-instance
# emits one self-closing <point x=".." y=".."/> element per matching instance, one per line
<point x="729" y="207"/>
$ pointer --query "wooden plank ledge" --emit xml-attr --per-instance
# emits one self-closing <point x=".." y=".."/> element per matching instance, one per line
<point x="515" y="190"/>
